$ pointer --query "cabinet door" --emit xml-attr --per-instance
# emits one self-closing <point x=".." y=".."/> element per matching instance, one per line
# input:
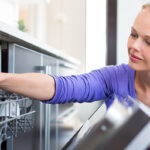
<point x="52" y="128"/>
<point x="23" y="60"/>
<point x="52" y="63"/>
<point x="67" y="112"/>
<point x="66" y="69"/>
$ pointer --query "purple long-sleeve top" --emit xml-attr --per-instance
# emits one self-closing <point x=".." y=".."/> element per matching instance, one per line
<point x="97" y="85"/>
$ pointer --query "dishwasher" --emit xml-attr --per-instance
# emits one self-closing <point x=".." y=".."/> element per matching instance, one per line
<point x="16" y="116"/>
<point x="25" y="123"/>
<point x="125" y="125"/>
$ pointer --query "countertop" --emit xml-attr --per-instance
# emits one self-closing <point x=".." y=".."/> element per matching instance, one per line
<point x="11" y="34"/>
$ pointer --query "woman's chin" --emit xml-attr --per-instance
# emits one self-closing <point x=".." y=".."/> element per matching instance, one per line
<point x="138" y="67"/>
<point x="134" y="66"/>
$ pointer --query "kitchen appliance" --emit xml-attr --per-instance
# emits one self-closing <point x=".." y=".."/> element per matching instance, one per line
<point x="124" y="126"/>
<point x="24" y="121"/>
<point x="16" y="117"/>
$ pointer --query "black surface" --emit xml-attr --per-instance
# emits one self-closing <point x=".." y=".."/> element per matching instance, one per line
<point x="111" y="31"/>
<point x="4" y="145"/>
<point x="4" y="57"/>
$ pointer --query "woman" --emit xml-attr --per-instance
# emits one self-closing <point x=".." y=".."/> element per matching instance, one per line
<point x="127" y="79"/>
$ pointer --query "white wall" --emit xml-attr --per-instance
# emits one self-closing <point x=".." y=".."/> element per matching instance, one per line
<point x="127" y="11"/>
<point x="66" y="28"/>
<point x="95" y="34"/>
<point x="9" y="12"/>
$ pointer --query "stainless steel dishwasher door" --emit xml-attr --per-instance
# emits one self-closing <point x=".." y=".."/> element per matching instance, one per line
<point x="123" y="121"/>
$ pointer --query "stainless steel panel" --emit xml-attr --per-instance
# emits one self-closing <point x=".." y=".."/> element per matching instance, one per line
<point x="51" y="67"/>
<point x="23" y="60"/>
<point x="123" y="121"/>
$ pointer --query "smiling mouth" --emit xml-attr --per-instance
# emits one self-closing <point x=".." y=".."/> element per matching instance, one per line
<point x="134" y="58"/>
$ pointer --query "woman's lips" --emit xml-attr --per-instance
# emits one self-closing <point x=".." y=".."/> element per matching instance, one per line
<point x="134" y="58"/>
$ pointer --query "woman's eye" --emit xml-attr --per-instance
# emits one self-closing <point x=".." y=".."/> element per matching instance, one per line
<point x="148" y="43"/>
<point x="134" y="35"/>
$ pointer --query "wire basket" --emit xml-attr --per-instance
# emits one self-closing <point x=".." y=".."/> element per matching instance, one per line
<point x="17" y="114"/>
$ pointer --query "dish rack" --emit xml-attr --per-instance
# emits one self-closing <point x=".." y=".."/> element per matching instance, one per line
<point x="17" y="114"/>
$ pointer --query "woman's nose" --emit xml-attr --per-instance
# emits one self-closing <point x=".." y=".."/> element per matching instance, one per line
<point x="137" y="44"/>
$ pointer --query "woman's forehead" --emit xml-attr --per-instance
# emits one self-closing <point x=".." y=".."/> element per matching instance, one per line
<point x="142" y="22"/>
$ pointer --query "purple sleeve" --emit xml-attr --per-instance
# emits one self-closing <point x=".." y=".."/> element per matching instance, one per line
<point x="89" y="87"/>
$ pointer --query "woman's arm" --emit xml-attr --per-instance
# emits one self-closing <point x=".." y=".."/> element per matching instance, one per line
<point x="34" y="85"/>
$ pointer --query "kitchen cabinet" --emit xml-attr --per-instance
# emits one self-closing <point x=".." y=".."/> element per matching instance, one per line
<point x="23" y="60"/>
<point x="51" y="67"/>
<point x="66" y="112"/>
<point x="63" y="113"/>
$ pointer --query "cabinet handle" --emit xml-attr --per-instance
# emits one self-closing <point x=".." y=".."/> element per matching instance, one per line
<point x="46" y="69"/>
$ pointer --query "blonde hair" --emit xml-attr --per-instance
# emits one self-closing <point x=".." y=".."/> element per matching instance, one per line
<point x="146" y="6"/>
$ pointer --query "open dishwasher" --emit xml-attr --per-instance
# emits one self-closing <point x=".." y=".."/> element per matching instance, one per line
<point x="16" y="116"/>
<point x="126" y="125"/>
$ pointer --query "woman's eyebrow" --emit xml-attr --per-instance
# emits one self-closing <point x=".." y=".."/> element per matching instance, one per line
<point x="147" y="36"/>
<point x="132" y="28"/>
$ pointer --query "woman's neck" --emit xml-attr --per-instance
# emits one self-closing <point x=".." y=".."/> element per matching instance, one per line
<point x="142" y="86"/>
<point x="142" y="79"/>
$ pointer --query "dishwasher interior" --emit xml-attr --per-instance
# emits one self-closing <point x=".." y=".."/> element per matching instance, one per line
<point x="16" y="116"/>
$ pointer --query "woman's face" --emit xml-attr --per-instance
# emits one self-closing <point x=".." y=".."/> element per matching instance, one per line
<point x="139" y="42"/>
